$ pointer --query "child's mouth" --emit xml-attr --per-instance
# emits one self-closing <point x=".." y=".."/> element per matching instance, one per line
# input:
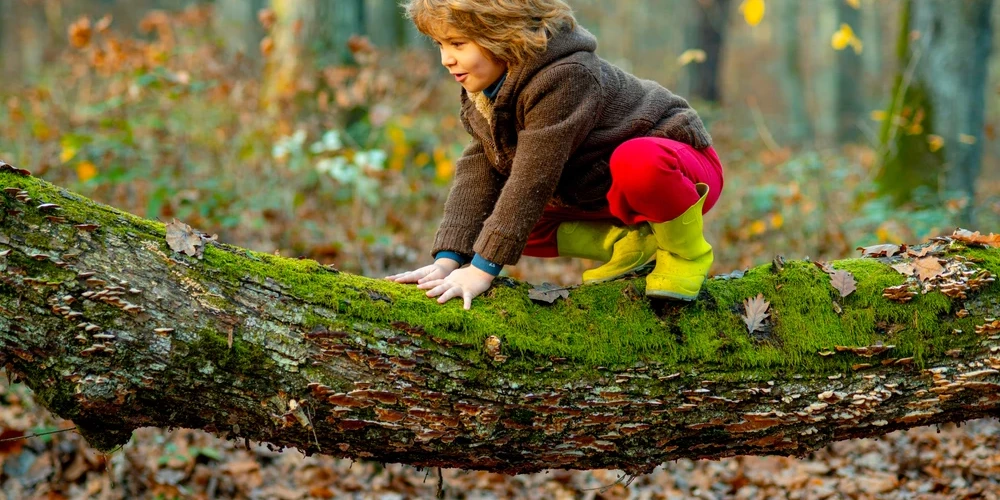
<point x="460" y="77"/>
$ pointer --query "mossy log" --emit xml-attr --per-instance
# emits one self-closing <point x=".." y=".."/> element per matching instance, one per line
<point x="112" y="329"/>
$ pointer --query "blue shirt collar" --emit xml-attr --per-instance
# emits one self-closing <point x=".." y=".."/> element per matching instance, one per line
<point x="492" y="91"/>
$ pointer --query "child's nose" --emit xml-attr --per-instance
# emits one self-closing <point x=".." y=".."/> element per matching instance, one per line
<point x="447" y="59"/>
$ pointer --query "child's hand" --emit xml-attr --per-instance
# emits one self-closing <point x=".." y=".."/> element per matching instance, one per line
<point x="466" y="283"/>
<point x="436" y="271"/>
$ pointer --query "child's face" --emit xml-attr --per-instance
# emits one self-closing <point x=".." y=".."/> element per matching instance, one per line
<point x="467" y="61"/>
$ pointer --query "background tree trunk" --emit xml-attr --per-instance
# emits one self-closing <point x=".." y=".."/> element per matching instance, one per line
<point x="822" y="95"/>
<point x="956" y="39"/>
<point x="708" y="33"/>
<point x="336" y="22"/>
<point x="850" y="75"/>
<point x="114" y="330"/>
<point x="934" y="128"/>
<point x="789" y="72"/>
<point x="386" y="24"/>
<point x="236" y="23"/>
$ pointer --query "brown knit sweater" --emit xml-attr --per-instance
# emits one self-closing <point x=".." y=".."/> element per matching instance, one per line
<point x="548" y="137"/>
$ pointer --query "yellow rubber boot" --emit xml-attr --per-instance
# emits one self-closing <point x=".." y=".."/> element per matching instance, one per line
<point x="683" y="257"/>
<point x="623" y="248"/>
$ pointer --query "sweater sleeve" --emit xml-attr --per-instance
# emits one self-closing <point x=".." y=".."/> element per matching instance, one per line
<point x="682" y="123"/>
<point x="473" y="193"/>
<point x="558" y="112"/>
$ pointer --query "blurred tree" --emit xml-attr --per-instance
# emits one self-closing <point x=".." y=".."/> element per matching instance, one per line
<point x="307" y="33"/>
<point x="789" y="72"/>
<point x="822" y="69"/>
<point x="386" y="25"/>
<point x="284" y="51"/>
<point x="708" y="33"/>
<point x="850" y="98"/>
<point x="936" y="116"/>
<point x="237" y="26"/>
<point x="335" y="23"/>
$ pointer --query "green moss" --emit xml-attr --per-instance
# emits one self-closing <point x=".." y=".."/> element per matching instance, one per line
<point x="611" y="324"/>
<point x="212" y="348"/>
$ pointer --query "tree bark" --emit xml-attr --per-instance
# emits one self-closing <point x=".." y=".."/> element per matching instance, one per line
<point x="114" y="330"/>
<point x="708" y="34"/>
<point x="789" y="73"/>
<point x="850" y="76"/>
<point x="933" y="134"/>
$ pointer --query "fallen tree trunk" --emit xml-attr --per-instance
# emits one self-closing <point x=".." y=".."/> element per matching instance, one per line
<point x="113" y="329"/>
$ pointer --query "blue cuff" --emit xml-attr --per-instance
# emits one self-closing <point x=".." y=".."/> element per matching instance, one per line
<point x="455" y="256"/>
<point x="484" y="265"/>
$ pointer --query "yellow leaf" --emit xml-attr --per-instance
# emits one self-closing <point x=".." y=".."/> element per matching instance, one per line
<point x="444" y="170"/>
<point x="935" y="142"/>
<point x="67" y="153"/>
<point x="691" y="55"/>
<point x="844" y="37"/>
<point x="878" y="115"/>
<point x="86" y="171"/>
<point x="753" y="11"/>
<point x="777" y="220"/>
<point x="854" y="3"/>
<point x="966" y="139"/>
<point x="856" y="45"/>
<point x="758" y="227"/>
<point x="422" y="159"/>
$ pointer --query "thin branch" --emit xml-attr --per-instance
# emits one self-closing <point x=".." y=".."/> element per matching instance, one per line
<point x="38" y="434"/>
<point x="758" y="119"/>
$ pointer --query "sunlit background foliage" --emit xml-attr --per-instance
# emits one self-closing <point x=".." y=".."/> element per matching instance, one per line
<point x="266" y="136"/>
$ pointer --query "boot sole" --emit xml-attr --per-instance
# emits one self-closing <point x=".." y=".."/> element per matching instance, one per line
<point x="655" y="294"/>
<point x="611" y="278"/>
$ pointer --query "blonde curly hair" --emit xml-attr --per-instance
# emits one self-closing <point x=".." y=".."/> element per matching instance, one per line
<point x="512" y="31"/>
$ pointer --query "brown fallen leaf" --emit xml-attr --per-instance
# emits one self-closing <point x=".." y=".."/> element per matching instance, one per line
<point x="182" y="238"/>
<point x="928" y="267"/>
<point x="548" y="293"/>
<point x="844" y="282"/>
<point x="929" y="249"/>
<point x="904" y="268"/>
<point x="826" y="267"/>
<point x="756" y="312"/>
<point x="966" y="236"/>
<point x="884" y="250"/>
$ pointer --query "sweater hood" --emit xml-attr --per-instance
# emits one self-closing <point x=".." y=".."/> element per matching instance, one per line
<point x="565" y="43"/>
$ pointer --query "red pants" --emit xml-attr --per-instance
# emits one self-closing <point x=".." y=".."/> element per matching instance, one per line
<point x="652" y="179"/>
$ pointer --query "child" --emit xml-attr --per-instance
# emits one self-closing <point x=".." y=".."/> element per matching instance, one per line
<point x="570" y="156"/>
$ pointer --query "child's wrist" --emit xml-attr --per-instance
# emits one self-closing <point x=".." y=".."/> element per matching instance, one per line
<point x="447" y="263"/>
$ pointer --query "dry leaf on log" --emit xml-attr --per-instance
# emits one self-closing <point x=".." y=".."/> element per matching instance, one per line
<point x="905" y="268"/>
<point x="756" y="312"/>
<point x="928" y="267"/>
<point x="827" y="268"/>
<point x="548" y="293"/>
<point x="966" y="236"/>
<point x="182" y="238"/>
<point x="844" y="282"/>
<point x="885" y="250"/>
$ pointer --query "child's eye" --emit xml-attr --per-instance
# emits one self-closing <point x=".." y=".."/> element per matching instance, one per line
<point x="457" y="45"/>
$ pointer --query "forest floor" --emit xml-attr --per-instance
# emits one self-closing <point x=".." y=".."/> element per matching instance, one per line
<point x="926" y="463"/>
